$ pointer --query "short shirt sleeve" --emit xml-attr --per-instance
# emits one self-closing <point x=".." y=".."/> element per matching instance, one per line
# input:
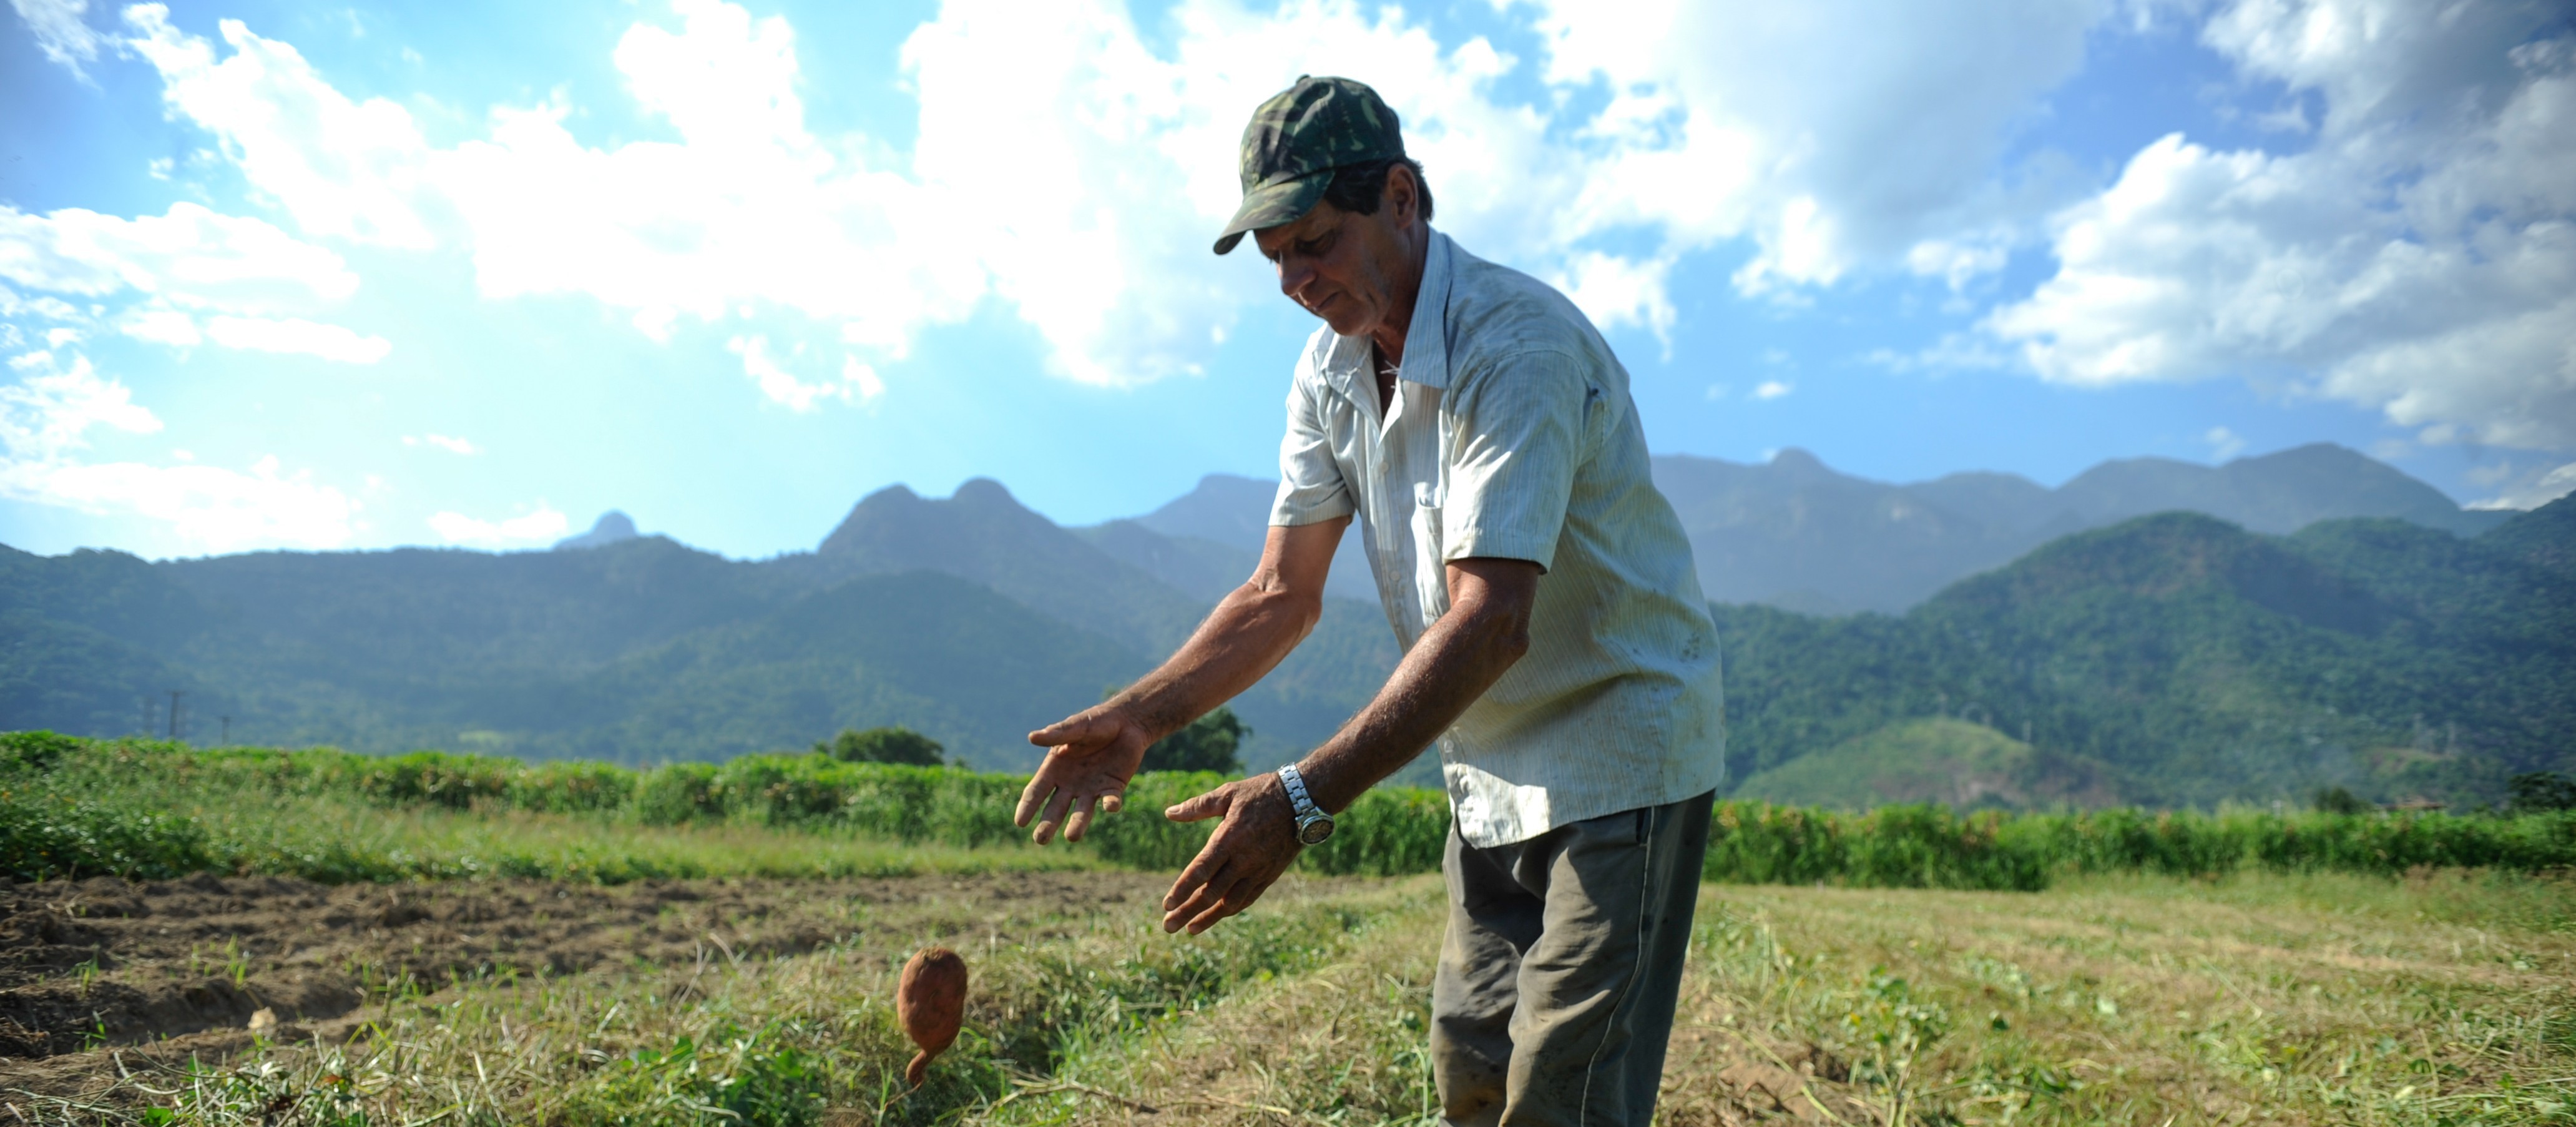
<point x="1519" y="439"/>
<point x="1311" y="487"/>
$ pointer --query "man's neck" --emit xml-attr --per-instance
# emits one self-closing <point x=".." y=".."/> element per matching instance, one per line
<point x="1388" y="337"/>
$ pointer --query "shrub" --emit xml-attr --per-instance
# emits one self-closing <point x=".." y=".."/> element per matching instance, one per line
<point x="1211" y="743"/>
<point x="681" y="792"/>
<point x="2541" y="792"/>
<point x="883" y="745"/>
<point x="2337" y="800"/>
<point x="44" y="835"/>
<point x="1390" y="831"/>
<point x="437" y="778"/>
<point x="572" y="787"/>
<point x="33" y="751"/>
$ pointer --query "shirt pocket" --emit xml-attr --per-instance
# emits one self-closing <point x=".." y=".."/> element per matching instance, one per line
<point x="1430" y="565"/>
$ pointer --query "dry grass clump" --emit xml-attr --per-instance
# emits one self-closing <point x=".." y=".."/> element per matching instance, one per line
<point x="2441" y="999"/>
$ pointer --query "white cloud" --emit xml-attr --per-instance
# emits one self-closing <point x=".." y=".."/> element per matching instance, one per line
<point x="45" y="421"/>
<point x="1838" y="134"/>
<point x="542" y="523"/>
<point x="449" y="443"/>
<point x="2223" y="443"/>
<point x="60" y="32"/>
<point x="2533" y="490"/>
<point x="861" y="378"/>
<point x="289" y="334"/>
<point x="189" y="256"/>
<point x="1772" y="389"/>
<point x="161" y="326"/>
<point x="45" y="415"/>
<point x="1713" y="129"/>
<point x="1617" y="291"/>
<point x="858" y="383"/>
<point x="340" y="167"/>
<point x="2419" y="259"/>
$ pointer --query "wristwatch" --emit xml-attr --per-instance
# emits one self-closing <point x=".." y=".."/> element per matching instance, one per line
<point x="1313" y="825"/>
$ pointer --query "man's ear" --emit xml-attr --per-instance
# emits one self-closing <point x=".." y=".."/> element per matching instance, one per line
<point x="1403" y="194"/>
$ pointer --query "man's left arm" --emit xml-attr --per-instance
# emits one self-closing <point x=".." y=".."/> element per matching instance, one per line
<point x="1456" y="660"/>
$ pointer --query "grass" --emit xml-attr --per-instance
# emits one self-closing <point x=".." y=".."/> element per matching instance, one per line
<point x="804" y="1039"/>
<point x="332" y="838"/>
<point x="2444" y="998"/>
<point x="2441" y="999"/>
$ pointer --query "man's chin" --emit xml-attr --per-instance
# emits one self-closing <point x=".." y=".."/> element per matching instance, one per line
<point x="1345" y="325"/>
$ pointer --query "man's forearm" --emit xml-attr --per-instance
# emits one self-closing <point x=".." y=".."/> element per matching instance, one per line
<point x="1456" y="660"/>
<point x="1246" y="636"/>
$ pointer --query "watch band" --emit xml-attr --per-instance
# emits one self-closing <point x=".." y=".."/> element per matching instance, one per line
<point x="1313" y="825"/>
<point x="1296" y="785"/>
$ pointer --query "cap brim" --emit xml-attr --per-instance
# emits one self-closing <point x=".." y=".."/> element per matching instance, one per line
<point x="1271" y="205"/>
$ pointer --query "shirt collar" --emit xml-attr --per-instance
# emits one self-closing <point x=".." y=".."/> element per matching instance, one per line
<point x="1426" y="340"/>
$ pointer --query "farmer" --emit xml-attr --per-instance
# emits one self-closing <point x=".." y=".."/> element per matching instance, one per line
<point x="1556" y="645"/>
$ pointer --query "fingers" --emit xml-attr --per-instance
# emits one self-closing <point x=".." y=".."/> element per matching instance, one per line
<point x="1224" y="907"/>
<point x="1081" y="822"/>
<point x="1213" y="804"/>
<point x="1203" y="900"/>
<point x="1054" y="815"/>
<point x="1030" y="796"/>
<point x="1080" y="728"/>
<point x="1201" y="870"/>
<point x="1238" y="895"/>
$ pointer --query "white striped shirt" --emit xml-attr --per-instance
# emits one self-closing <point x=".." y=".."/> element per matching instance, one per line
<point x="1512" y="435"/>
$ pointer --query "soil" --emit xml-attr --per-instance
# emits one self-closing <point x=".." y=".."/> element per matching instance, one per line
<point x="99" y="974"/>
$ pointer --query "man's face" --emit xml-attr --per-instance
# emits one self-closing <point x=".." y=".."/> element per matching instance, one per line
<point x="1343" y="266"/>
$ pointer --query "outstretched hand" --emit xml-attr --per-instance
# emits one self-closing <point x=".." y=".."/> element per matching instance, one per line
<point x="1242" y="859"/>
<point x="1090" y="757"/>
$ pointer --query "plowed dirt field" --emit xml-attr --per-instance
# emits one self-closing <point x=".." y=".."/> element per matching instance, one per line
<point x="105" y="974"/>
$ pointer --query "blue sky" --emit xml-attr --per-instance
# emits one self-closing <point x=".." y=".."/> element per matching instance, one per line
<point x="353" y="276"/>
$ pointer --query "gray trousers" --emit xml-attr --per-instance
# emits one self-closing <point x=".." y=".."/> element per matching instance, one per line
<point x="1560" y="969"/>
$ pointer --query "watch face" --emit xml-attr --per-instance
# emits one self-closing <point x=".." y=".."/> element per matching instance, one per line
<point x="1315" y="831"/>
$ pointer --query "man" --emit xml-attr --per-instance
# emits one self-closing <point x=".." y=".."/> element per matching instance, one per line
<point x="1556" y="643"/>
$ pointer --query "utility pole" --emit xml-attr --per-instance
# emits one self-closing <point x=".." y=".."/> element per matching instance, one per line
<point x="174" y="712"/>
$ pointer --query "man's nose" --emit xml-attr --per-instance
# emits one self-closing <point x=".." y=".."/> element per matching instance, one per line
<point x="1294" y="275"/>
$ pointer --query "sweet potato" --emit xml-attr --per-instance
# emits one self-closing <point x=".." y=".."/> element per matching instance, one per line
<point x="931" y="1001"/>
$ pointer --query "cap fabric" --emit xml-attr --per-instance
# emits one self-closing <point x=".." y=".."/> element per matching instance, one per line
<point x="1297" y="140"/>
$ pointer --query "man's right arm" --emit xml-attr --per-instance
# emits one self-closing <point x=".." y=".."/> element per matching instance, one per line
<point x="1092" y="754"/>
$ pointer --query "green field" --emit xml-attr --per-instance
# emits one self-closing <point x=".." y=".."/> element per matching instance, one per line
<point x="730" y="953"/>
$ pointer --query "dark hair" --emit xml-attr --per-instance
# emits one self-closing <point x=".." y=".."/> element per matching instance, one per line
<point x="1358" y="187"/>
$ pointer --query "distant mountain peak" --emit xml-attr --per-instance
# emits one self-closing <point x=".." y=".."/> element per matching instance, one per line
<point x="611" y="528"/>
<point x="984" y="492"/>
<point x="1796" y="460"/>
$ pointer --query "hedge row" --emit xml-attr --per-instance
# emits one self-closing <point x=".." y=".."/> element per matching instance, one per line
<point x="1390" y="831"/>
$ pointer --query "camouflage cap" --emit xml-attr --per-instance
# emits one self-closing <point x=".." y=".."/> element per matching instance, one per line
<point x="1295" y="142"/>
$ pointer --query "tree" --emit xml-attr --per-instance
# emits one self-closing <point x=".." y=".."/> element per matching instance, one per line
<point x="883" y="745"/>
<point x="1210" y="743"/>
<point x="2543" y="791"/>
<point x="2337" y="800"/>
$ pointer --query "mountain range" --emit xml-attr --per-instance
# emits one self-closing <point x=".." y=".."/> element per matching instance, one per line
<point x="1793" y="533"/>
<point x="970" y="618"/>
<point x="2274" y="640"/>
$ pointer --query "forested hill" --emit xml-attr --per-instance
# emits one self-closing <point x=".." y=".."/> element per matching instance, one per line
<point x="2202" y="662"/>
<point x="969" y="618"/>
<point x="2172" y="658"/>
